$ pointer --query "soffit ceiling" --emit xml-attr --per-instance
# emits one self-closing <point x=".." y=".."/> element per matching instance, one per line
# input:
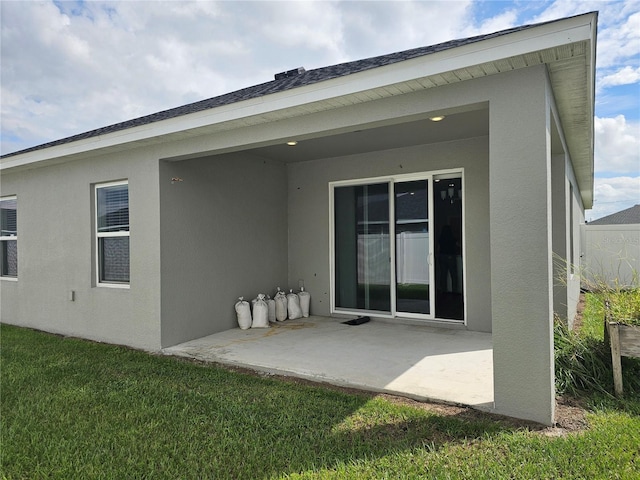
<point x="454" y="127"/>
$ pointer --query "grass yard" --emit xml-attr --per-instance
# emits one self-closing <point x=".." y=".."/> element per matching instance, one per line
<point x="77" y="409"/>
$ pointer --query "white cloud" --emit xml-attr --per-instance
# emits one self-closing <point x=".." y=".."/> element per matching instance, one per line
<point x="618" y="38"/>
<point x="290" y="26"/>
<point x="614" y="194"/>
<point x="111" y="62"/>
<point x="503" y="21"/>
<point x="624" y="76"/>
<point x="617" y="145"/>
<point x="375" y="28"/>
<point x="567" y="8"/>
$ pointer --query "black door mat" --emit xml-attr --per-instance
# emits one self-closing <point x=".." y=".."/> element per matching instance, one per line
<point x="357" y="321"/>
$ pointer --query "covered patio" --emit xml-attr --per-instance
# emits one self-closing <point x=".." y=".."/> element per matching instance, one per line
<point x="419" y="362"/>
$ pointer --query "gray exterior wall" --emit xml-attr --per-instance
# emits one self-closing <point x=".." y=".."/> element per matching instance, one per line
<point x="521" y="246"/>
<point x="561" y="264"/>
<point x="223" y="235"/>
<point x="574" y="279"/>
<point x="568" y="214"/>
<point x="56" y="252"/>
<point x="309" y="214"/>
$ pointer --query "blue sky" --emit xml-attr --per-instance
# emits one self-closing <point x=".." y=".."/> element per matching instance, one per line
<point x="69" y="67"/>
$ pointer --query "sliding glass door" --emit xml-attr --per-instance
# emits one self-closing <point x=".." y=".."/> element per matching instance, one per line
<point x="448" y="268"/>
<point x="397" y="247"/>
<point x="412" y="246"/>
<point x="362" y="248"/>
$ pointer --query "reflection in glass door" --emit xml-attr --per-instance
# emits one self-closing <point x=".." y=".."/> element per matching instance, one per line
<point x="447" y="200"/>
<point x="362" y="250"/>
<point x="412" y="247"/>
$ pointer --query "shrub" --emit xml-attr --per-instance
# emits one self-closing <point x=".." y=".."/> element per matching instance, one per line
<point x="583" y="362"/>
<point x="624" y="306"/>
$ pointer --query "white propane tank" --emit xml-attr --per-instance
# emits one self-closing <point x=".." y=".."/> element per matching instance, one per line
<point x="243" y="312"/>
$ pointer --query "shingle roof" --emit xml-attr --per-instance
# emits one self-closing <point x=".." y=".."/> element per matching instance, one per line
<point x="307" y="78"/>
<point x="623" y="217"/>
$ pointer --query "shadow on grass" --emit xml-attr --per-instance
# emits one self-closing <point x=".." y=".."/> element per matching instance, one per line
<point x="78" y="409"/>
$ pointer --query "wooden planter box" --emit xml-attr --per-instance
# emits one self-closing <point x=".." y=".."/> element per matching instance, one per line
<point x="625" y="342"/>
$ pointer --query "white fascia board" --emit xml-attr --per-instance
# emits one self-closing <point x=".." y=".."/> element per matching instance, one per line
<point x="504" y="46"/>
<point x="588" y="192"/>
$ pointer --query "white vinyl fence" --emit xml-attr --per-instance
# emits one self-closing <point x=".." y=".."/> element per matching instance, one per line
<point x="412" y="249"/>
<point x="611" y="254"/>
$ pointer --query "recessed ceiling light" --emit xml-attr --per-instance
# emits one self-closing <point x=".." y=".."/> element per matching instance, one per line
<point x="292" y="143"/>
<point x="437" y="119"/>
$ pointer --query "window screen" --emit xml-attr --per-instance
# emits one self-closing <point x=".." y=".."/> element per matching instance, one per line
<point x="9" y="237"/>
<point x="112" y="220"/>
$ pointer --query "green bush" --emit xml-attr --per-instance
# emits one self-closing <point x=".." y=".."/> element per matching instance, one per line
<point x="625" y="305"/>
<point x="582" y="363"/>
<point x="583" y="358"/>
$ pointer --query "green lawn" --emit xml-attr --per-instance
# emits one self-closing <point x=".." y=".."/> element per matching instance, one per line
<point x="78" y="409"/>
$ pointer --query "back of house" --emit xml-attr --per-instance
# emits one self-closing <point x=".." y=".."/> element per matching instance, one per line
<point x="431" y="187"/>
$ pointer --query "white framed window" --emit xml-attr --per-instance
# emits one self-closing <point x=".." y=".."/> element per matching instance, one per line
<point x="9" y="237"/>
<point x="112" y="233"/>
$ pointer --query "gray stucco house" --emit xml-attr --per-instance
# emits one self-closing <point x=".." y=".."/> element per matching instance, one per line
<point x="144" y="233"/>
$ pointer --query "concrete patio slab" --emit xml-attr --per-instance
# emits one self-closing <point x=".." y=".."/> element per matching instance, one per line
<point x="424" y="363"/>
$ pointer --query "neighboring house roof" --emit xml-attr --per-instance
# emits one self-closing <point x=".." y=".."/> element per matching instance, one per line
<point x="565" y="46"/>
<point x="623" y="217"/>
